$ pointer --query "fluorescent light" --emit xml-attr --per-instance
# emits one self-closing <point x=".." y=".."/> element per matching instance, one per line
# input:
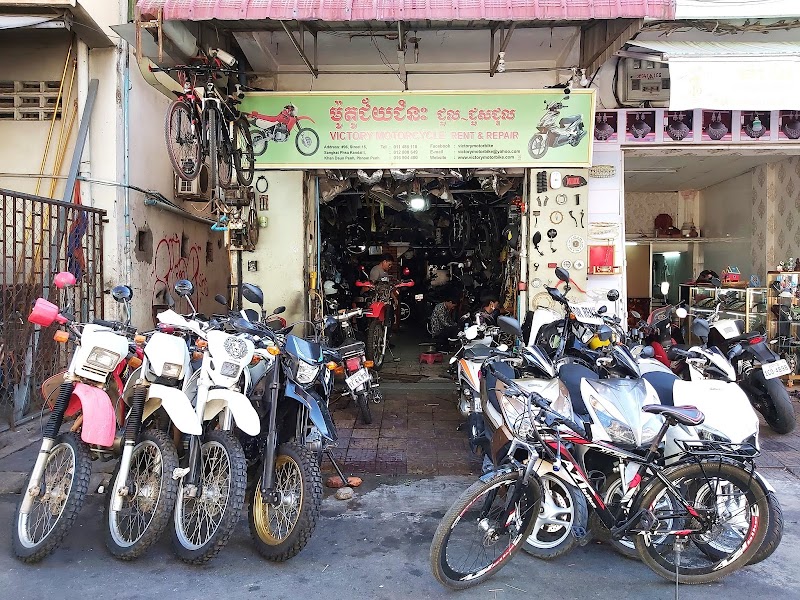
<point x="631" y="243"/>
<point x="669" y="254"/>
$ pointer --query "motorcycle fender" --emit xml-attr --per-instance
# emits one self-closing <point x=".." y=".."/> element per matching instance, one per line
<point x="766" y="484"/>
<point x="99" y="425"/>
<point x="176" y="404"/>
<point x="377" y="310"/>
<point x="244" y="415"/>
<point x="315" y="414"/>
<point x="763" y="353"/>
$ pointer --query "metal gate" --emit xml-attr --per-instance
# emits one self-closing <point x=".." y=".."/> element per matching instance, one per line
<point x="34" y="248"/>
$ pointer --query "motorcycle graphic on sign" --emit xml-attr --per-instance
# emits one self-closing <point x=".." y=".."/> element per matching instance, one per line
<point x="277" y="128"/>
<point x="555" y="131"/>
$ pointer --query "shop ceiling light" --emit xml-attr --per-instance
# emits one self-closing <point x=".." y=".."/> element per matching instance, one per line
<point x="417" y="203"/>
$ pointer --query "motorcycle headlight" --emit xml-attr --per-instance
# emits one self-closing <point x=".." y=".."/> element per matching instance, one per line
<point x="306" y="373"/>
<point x="516" y="415"/>
<point x="172" y="370"/>
<point x="615" y="426"/>
<point x="711" y="435"/>
<point x="103" y="359"/>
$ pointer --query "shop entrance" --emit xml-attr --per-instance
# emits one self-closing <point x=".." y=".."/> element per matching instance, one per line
<point x="453" y="234"/>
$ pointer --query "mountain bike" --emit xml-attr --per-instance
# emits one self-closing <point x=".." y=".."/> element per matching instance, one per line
<point x="202" y="123"/>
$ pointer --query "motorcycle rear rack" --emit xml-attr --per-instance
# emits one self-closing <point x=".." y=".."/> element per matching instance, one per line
<point x="350" y="350"/>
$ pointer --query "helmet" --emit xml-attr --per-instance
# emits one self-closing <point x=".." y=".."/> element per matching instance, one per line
<point x="329" y="287"/>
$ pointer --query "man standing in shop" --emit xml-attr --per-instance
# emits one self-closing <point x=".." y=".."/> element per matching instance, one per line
<point x="381" y="270"/>
<point x="443" y="324"/>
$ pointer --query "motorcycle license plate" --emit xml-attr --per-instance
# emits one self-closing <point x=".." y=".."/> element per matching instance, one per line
<point x="775" y="369"/>
<point x="418" y="297"/>
<point x="357" y="379"/>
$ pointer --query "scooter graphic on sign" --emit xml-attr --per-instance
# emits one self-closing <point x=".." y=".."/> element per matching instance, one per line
<point x="555" y="132"/>
<point x="268" y="128"/>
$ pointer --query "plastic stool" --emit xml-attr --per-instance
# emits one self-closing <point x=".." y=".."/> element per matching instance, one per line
<point x="431" y="357"/>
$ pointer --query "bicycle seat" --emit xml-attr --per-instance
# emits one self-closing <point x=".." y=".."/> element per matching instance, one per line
<point x="685" y="415"/>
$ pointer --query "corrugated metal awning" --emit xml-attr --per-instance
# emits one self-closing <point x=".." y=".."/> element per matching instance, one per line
<point x="730" y="75"/>
<point x="408" y="10"/>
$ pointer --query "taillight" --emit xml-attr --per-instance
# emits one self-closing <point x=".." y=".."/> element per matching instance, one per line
<point x="756" y="340"/>
<point x="353" y="364"/>
<point x="165" y="328"/>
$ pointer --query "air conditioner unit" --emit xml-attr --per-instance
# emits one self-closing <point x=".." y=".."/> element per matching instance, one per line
<point x="197" y="190"/>
<point x="644" y="81"/>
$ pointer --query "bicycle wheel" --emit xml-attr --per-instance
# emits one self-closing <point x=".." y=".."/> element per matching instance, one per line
<point x="477" y="535"/>
<point x="460" y="233"/>
<point x="62" y="491"/>
<point x="728" y="496"/>
<point x="204" y="522"/>
<point x="150" y="498"/>
<point x="243" y="155"/>
<point x="220" y="159"/>
<point x="183" y="142"/>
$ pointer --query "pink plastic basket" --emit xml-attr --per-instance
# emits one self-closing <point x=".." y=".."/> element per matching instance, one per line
<point x="43" y="313"/>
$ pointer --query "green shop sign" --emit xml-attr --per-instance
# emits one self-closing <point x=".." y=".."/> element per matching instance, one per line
<point x="524" y="128"/>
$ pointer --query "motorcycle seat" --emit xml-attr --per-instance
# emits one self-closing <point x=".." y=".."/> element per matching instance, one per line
<point x="685" y="415"/>
<point x="569" y="120"/>
<point x="571" y="375"/>
<point x="477" y="351"/>
<point x="663" y="384"/>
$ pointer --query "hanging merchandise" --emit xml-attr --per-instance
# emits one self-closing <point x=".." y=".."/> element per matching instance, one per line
<point x="561" y="199"/>
<point x="537" y="239"/>
<point x="576" y="244"/>
<point x="716" y="129"/>
<point x="552" y="234"/>
<point x="541" y="182"/>
<point x="640" y="128"/>
<point x="573" y="181"/>
<point x="556" y="217"/>
<point x="555" y="180"/>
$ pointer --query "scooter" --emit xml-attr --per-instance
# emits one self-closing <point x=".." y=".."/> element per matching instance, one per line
<point x="555" y="131"/>
<point x="757" y="367"/>
<point x="276" y="128"/>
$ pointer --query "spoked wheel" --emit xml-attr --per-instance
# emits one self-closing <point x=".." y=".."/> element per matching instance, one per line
<point x="735" y="505"/>
<point x="219" y="154"/>
<point x="243" y="155"/>
<point x="612" y="494"/>
<point x="204" y="522"/>
<point x="259" y="141"/>
<point x="252" y="228"/>
<point x="377" y="340"/>
<point x="307" y="141"/>
<point x="477" y="536"/>
<point x="563" y="508"/>
<point x="57" y="501"/>
<point x="362" y="401"/>
<point x="282" y="529"/>
<point x="488" y="235"/>
<point x="150" y="499"/>
<point x="183" y="142"/>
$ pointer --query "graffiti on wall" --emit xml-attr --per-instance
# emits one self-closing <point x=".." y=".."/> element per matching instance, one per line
<point x="176" y="259"/>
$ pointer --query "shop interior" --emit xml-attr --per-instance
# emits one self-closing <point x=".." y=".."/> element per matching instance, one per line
<point x="690" y="213"/>
<point x="454" y="233"/>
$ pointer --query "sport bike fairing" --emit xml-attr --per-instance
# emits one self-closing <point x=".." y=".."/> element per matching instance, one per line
<point x="615" y="408"/>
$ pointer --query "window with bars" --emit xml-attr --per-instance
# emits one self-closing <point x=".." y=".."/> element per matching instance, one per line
<point x="28" y="100"/>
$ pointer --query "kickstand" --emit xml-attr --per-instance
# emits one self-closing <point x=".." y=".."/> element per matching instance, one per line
<point x="335" y="465"/>
<point x="394" y="358"/>
<point x="678" y="546"/>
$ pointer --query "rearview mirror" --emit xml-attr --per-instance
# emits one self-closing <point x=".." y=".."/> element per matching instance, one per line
<point x="184" y="288"/>
<point x="252" y="293"/>
<point x="635" y="314"/>
<point x="453" y="359"/>
<point x="510" y="326"/>
<point x="64" y="279"/>
<point x="122" y="293"/>
<point x="562" y="274"/>
<point x="681" y="313"/>
<point x="170" y="300"/>
<point x="279" y="310"/>
<point x="612" y="295"/>
<point x="221" y="299"/>
<point x="602" y="310"/>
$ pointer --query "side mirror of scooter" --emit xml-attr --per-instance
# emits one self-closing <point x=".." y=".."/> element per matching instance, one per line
<point x="279" y="310"/>
<point x="252" y="293"/>
<point x="220" y="299"/>
<point x="453" y="359"/>
<point x="681" y="313"/>
<point x="510" y="326"/>
<point x="602" y="310"/>
<point x="64" y="279"/>
<point x="612" y="295"/>
<point x="562" y="274"/>
<point x="472" y="332"/>
<point x="122" y="293"/>
<point x="636" y="315"/>
<point x="184" y="288"/>
<point x="647" y="352"/>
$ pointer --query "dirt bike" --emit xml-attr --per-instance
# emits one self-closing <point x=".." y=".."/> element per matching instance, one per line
<point x="381" y="315"/>
<point x="268" y="128"/>
<point x="555" y="131"/>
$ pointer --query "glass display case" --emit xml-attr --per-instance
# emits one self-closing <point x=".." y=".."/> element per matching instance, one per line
<point x="783" y="315"/>
<point x="747" y="304"/>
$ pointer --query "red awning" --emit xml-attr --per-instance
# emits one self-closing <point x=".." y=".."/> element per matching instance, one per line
<point x="409" y="10"/>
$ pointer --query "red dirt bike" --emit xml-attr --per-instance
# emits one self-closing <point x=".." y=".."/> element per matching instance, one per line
<point x="266" y="128"/>
<point x="381" y="310"/>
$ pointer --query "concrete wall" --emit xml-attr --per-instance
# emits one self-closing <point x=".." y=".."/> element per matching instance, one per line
<point x="281" y="253"/>
<point x="725" y="211"/>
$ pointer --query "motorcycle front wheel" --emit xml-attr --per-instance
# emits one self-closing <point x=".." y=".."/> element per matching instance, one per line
<point x="306" y="141"/>
<point x="537" y="146"/>
<point x="204" y="522"/>
<point x="147" y="507"/>
<point x="563" y="509"/>
<point x="377" y="340"/>
<point x="59" y="499"/>
<point x="259" y="141"/>
<point x="282" y="530"/>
